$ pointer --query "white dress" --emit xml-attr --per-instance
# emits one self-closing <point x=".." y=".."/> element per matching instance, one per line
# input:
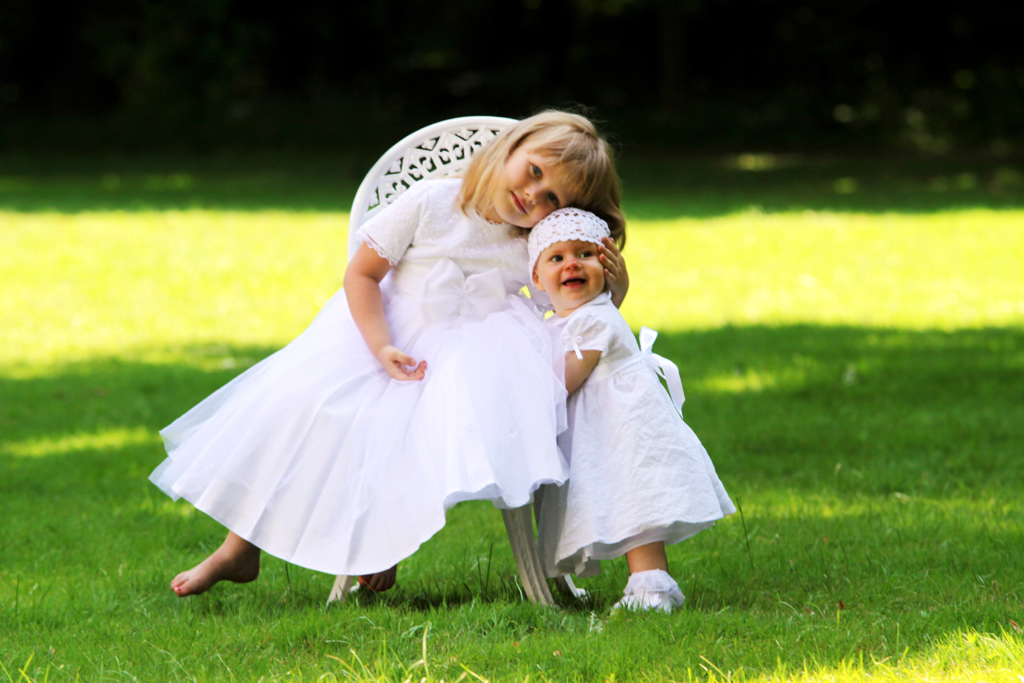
<point x="638" y="473"/>
<point x="318" y="457"/>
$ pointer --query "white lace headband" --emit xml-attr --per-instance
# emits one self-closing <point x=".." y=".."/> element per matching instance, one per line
<point x="564" y="225"/>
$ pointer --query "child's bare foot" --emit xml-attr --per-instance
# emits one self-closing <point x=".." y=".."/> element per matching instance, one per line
<point x="235" y="560"/>
<point x="381" y="581"/>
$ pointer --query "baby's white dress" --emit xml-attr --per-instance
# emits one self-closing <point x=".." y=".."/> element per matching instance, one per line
<point x="318" y="457"/>
<point x="638" y="473"/>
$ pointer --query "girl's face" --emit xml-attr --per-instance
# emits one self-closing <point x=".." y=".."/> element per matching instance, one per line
<point x="528" y="189"/>
<point x="570" y="273"/>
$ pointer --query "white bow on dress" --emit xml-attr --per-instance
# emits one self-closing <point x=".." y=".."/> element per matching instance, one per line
<point x="448" y="293"/>
<point x="665" y="368"/>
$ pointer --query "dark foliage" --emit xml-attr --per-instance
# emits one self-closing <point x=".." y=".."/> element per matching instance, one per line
<point x="695" y="74"/>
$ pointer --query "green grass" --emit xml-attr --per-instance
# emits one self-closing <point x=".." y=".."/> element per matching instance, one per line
<point x="853" y="360"/>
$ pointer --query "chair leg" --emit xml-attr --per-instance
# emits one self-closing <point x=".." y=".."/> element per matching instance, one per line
<point x="563" y="584"/>
<point x="519" y="525"/>
<point x="342" y="587"/>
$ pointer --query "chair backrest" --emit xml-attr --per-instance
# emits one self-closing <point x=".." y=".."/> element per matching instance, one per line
<point x="437" y="151"/>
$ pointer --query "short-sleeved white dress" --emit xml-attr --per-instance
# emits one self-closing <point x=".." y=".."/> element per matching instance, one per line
<point x="317" y="456"/>
<point x="638" y="473"/>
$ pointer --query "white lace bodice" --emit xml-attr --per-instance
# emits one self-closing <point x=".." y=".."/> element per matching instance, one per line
<point x="424" y="225"/>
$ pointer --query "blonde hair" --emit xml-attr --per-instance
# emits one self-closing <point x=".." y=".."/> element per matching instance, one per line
<point x="562" y="138"/>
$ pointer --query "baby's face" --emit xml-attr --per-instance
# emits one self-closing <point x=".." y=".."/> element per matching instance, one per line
<point x="570" y="273"/>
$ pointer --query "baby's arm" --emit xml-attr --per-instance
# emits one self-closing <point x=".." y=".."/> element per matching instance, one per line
<point x="577" y="370"/>
<point x="362" y="289"/>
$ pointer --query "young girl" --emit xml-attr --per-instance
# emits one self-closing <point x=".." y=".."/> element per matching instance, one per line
<point x="639" y="477"/>
<point x="425" y="382"/>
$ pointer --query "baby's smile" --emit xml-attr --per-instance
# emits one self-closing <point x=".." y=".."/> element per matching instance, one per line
<point x="570" y="273"/>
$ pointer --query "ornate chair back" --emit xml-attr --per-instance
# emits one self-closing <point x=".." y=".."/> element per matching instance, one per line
<point x="437" y="151"/>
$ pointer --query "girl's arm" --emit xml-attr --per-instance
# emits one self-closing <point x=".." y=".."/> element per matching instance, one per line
<point x="362" y="289"/>
<point x="615" y="274"/>
<point x="576" y="370"/>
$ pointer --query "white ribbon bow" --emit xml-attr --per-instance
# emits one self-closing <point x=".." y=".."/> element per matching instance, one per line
<point x="448" y="293"/>
<point x="665" y="368"/>
<point x="576" y="347"/>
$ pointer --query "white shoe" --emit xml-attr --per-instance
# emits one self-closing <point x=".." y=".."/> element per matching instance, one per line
<point x="652" y="590"/>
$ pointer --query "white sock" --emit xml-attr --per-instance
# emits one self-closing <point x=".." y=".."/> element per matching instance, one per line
<point x="651" y="590"/>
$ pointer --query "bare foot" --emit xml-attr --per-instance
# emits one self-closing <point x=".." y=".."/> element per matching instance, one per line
<point x="381" y="581"/>
<point x="235" y="560"/>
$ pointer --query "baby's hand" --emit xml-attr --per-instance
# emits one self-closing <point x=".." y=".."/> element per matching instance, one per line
<point x="615" y="274"/>
<point x="397" y="364"/>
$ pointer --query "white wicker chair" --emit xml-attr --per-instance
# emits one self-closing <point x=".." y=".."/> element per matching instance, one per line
<point x="440" y="150"/>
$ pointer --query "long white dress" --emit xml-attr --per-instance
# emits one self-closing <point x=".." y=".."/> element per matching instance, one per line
<point x="638" y="473"/>
<point x="318" y="457"/>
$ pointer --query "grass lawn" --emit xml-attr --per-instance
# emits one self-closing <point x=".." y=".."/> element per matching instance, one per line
<point x="851" y="339"/>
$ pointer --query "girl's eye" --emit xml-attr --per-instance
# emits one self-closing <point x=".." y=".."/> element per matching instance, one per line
<point x="553" y="198"/>
<point x="535" y="170"/>
<point x="587" y="254"/>
<point x="556" y="258"/>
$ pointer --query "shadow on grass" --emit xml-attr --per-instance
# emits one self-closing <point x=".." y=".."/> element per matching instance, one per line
<point x="655" y="187"/>
<point x="926" y="411"/>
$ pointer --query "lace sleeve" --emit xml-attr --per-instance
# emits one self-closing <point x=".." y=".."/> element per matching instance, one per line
<point x="391" y="231"/>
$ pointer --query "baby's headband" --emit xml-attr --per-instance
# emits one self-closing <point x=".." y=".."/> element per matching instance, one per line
<point x="564" y="225"/>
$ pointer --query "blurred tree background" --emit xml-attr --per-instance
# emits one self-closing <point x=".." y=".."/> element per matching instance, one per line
<point x="699" y="75"/>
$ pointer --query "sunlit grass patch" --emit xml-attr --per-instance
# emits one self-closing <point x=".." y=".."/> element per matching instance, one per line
<point x="752" y="380"/>
<point x="967" y="656"/>
<point x="944" y="270"/>
<point x="109" y="282"/>
<point x="102" y="283"/>
<point x="105" y="440"/>
<point x="962" y="656"/>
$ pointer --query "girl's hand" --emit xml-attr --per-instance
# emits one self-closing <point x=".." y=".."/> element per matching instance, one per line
<point x="397" y="364"/>
<point x="615" y="274"/>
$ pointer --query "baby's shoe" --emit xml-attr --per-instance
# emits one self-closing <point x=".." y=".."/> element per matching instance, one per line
<point x="651" y="590"/>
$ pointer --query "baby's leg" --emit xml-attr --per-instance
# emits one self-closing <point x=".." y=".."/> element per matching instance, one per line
<point x="235" y="560"/>
<point x="647" y="557"/>
<point x="650" y="587"/>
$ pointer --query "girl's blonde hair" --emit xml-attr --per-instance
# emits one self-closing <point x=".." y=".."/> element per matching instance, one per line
<point x="565" y="139"/>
